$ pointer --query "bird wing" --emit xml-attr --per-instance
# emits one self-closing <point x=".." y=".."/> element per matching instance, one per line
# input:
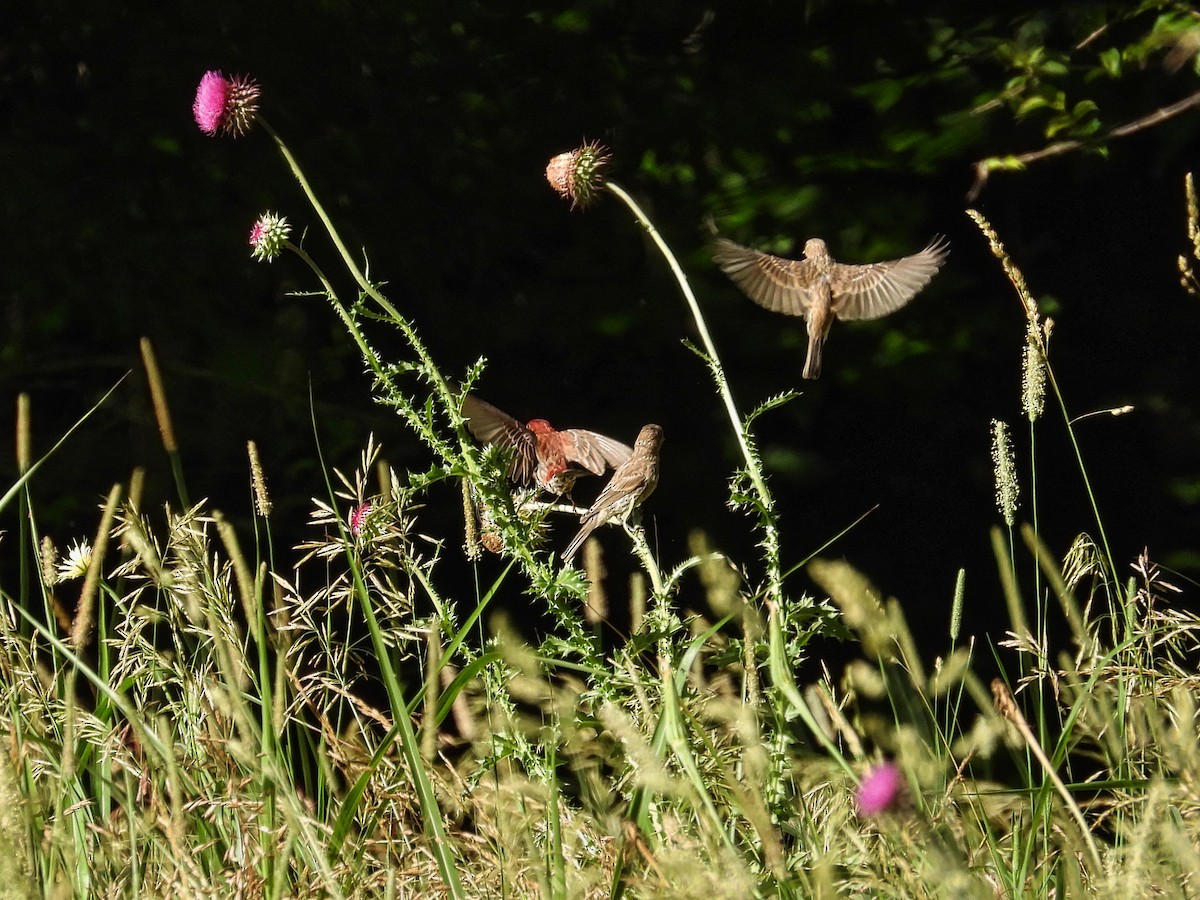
<point x="868" y="292"/>
<point x="595" y="452"/>
<point x="492" y="426"/>
<point x="781" y="285"/>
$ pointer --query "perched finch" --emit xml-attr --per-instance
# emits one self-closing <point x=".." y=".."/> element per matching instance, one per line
<point x="819" y="289"/>
<point x="630" y="485"/>
<point x="543" y="456"/>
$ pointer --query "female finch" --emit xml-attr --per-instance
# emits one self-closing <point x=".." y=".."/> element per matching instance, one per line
<point x="820" y="289"/>
<point x="543" y="456"/>
<point x="630" y="485"/>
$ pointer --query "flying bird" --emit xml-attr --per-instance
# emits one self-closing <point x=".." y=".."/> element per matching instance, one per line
<point x="634" y="481"/>
<point x="542" y="455"/>
<point x="821" y="289"/>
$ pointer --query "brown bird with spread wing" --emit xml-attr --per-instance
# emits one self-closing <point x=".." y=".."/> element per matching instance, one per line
<point x="542" y="455"/>
<point x="631" y="484"/>
<point x="821" y="289"/>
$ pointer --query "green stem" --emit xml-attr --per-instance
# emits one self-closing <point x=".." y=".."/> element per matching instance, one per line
<point x="739" y="429"/>
<point x="642" y="548"/>
<point x="468" y="457"/>
<point x="447" y="396"/>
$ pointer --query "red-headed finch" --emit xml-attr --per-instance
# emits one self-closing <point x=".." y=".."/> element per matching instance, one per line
<point x="820" y="289"/>
<point x="542" y="455"/>
<point x="634" y="481"/>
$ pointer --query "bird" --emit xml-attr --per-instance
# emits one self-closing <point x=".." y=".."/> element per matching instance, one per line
<point x="632" y="482"/>
<point x="542" y="455"/>
<point x="820" y="289"/>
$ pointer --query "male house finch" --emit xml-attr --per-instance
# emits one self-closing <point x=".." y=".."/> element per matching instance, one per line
<point x="630" y="485"/>
<point x="818" y="288"/>
<point x="541" y="455"/>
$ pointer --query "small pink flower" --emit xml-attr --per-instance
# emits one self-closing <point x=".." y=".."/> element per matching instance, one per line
<point x="879" y="789"/>
<point x="575" y="175"/>
<point x="358" y="517"/>
<point x="268" y="236"/>
<point x="225" y="105"/>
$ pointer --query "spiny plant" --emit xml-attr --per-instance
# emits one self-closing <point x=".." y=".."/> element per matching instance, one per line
<point x="201" y="722"/>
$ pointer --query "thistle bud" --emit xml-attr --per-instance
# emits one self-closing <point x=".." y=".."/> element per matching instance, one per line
<point x="268" y="236"/>
<point x="576" y="175"/>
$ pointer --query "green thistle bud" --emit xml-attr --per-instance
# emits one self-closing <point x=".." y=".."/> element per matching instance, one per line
<point x="268" y="236"/>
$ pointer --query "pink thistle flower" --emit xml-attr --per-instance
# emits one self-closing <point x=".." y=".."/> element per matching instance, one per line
<point x="268" y="236"/>
<point x="225" y="105"/>
<point x="879" y="789"/>
<point x="576" y="176"/>
<point x="358" y="517"/>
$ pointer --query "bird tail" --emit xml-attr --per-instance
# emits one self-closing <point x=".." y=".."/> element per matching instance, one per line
<point x="812" y="362"/>
<point x="577" y="541"/>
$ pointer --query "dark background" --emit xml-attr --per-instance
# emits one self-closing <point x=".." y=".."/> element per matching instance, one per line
<point x="425" y="129"/>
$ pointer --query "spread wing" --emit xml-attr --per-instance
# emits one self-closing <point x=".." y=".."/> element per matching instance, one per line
<point x="490" y="426"/>
<point x="781" y="285"/>
<point x="868" y="292"/>
<point x="595" y="452"/>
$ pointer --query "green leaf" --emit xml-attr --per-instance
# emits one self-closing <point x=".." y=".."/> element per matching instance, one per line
<point x="1111" y="60"/>
<point x="1029" y="104"/>
<point x="773" y="402"/>
<point x="1058" y="124"/>
<point x="882" y="94"/>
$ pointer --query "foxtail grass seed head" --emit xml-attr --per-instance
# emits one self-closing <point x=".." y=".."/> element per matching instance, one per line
<point x="158" y="396"/>
<point x="137" y="485"/>
<point x="1033" y="377"/>
<point x="956" y="607"/>
<point x="384" y="473"/>
<point x="24" y="443"/>
<point x="262" y="500"/>
<point x="225" y="105"/>
<point x="464" y="719"/>
<point x="268" y="236"/>
<point x="49" y="561"/>
<point x="576" y="175"/>
<point x="637" y="602"/>
<point x="470" y="522"/>
<point x="879" y="790"/>
<point x="1005" y="471"/>
<point x="595" y="609"/>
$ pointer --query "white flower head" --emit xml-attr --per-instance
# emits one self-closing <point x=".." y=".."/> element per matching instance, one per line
<point x="76" y="562"/>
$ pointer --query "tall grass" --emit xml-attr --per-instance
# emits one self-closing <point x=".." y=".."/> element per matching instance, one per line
<point x="191" y="711"/>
